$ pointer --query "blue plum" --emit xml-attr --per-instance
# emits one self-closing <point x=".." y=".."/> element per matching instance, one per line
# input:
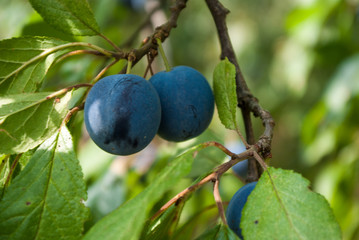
<point x="136" y="5"/>
<point x="241" y="168"/>
<point x="187" y="103"/>
<point x="235" y="207"/>
<point x="122" y="113"/>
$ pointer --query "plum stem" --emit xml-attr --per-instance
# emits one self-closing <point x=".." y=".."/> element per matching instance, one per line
<point x="149" y="66"/>
<point x="163" y="55"/>
<point x="129" y="66"/>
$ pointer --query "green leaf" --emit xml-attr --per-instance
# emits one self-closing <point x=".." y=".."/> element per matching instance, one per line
<point x="42" y="28"/>
<point x="73" y="17"/>
<point x="220" y="232"/>
<point x="25" y="61"/>
<point x="224" y="86"/>
<point x="45" y="201"/>
<point x="203" y="214"/>
<point x="12" y="104"/>
<point x="127" y="221"/>
<point x="26" y="120"/>
<point x="283" y="207"/>
<point x="4" y="171"/>
<point x="162" y="227"/>
<point x="105" y="195"/>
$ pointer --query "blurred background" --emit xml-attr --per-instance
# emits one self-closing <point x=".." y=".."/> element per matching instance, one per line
<point x="300" y="58"/>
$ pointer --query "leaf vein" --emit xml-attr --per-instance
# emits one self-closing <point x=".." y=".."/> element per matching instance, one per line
<point x="51" y="162"/>
<point x="283" y="206"/>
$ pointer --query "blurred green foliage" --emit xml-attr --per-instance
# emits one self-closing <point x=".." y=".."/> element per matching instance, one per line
<point x="300" y="59"/>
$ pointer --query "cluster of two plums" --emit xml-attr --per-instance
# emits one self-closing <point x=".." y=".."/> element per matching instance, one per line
<point x="124" y="112"/>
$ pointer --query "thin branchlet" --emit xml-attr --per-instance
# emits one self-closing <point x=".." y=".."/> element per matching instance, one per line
<point x="246" y="101"/>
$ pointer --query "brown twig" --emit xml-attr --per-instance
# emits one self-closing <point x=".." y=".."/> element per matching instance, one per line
<point x="161" y="32"/>
<point x="78" y="52"/>
<point x="65" y="90"/>
<point x="219" y="146"/>
<point x="182" y="194"/>
<point x="110" y="42"/>
<point x="148" y="46"/>
<point x="218" y="199"/>
<point x="212" y="177"/>
<point x="246" y="101"/>
<point x="244" y="141"/>
<point x="260" y="160"/>
<point x="219" y="13"/>
<point x="253" y="171"/>
<point x="104" y="70"/>
<point x="71" y="113"/>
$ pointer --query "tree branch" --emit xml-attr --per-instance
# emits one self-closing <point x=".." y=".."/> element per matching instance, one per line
<point x="219" y="13"/>
<point x="212" y="177"/>
<point x="246" y="101"/>
<point x="149" y="45"/>
<point x="161" y="32"/>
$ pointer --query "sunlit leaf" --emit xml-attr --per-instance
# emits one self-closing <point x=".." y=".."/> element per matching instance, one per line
<point x="45" y="201"/>
<point x="41" y="28"/>
<point x="29" y="119"/>
<point x="25" y="61"/>
<point x="4" y="170"/>
<point x="283" y="207"/>
<point x="73" y="17"/>
<point x="12" y="104"/>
